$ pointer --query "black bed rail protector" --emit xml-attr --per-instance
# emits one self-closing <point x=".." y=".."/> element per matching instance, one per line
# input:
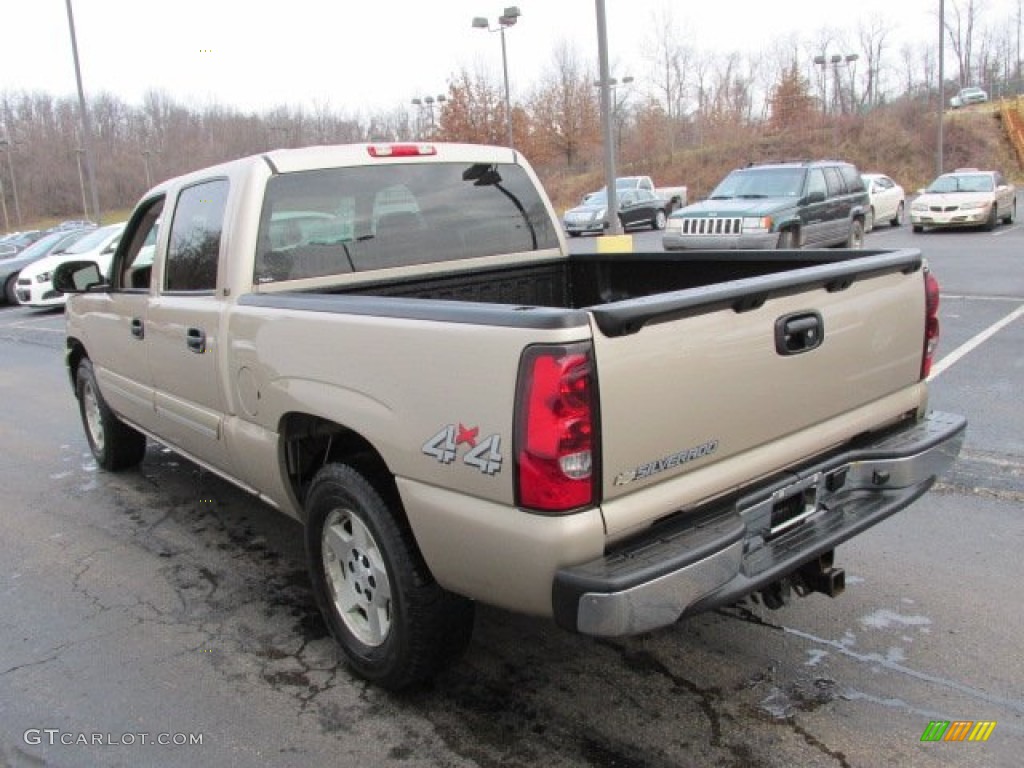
<point x="472" y="313"/>
<point x="629" y="316"/>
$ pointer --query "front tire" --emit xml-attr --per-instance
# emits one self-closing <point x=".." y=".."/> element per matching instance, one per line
<point x="396" y="626"/>
<point x="113" y="443"/>
<point x="993" y="219"/>
<point x="659" y="220"/>
<point x="785" y="240"/>
<point x="917" y="229"/>
<point x="10" y="290"/>
<point x="897" y="220"/>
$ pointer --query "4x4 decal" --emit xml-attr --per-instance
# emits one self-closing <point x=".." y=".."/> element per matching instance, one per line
<point x="483" y="455"/>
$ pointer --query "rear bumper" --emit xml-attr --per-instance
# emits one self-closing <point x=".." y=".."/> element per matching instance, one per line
<point x="715" y="556"/>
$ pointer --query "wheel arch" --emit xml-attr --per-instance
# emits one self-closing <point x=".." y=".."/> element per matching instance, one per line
<point x="74" y="356"/>
<point x="308" y="442"/>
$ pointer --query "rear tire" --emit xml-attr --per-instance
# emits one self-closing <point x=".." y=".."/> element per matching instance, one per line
<point x="113" y="443"/>
<point x="869" y="220"/>
<point x="1008" y="218"/>
<point x="855" y="239"/>
<point x="396" y="626"/>
<point x="897" y="220"/>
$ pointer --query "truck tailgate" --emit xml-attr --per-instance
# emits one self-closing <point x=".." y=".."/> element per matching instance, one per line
<point x="739" y="367"/>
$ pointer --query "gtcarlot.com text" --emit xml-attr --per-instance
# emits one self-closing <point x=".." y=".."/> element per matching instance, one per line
<point x="55" y="736"/>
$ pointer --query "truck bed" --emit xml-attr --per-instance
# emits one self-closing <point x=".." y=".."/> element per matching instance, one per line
<point x="623" y="291"/>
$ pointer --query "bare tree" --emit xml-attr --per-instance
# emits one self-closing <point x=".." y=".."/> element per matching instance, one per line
<point x="961" y="22"/>
<point x="872" y="36"/>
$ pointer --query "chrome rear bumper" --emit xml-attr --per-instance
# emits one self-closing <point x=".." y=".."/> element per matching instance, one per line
<point x="710" y="557"/>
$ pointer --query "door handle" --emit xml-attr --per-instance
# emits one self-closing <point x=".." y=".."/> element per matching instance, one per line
<point x="138" y="328"/>
<point x="195" y="338"/>
<point x="800" y="332"/>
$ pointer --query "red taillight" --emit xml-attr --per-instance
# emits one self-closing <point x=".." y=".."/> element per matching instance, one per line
<point x="401" y="150"/>
<point x="555" y="428"/>
<point x="931" y="322"/>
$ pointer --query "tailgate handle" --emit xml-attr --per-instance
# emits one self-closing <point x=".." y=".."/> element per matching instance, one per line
<point x="196" y="340"/>
<point x="800" y="332"/>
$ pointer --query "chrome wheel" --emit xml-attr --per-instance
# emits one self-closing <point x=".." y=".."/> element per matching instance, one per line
<point x="357" y="577"/>
<point x="93" y="416"/>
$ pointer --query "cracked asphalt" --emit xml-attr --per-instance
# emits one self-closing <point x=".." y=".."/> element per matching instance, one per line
<point x="162" y="602"/>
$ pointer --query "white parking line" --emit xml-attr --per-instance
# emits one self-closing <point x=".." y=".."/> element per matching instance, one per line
<point x="957" y="354"/>
<point x="1007" y="230"/>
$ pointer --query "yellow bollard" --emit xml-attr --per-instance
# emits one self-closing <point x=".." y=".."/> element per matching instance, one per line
<point x="615" y="244"/>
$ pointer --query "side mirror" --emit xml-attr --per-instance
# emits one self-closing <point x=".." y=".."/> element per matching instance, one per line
<point x="920" y="191"/>
<point x="77" y="276"/>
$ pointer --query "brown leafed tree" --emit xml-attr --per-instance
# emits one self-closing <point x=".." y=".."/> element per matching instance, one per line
<point x="565" y="109"/>
<point x="790" y="105"/>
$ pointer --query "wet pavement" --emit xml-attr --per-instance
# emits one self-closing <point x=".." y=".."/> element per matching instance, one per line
<point x="164" y="602"/>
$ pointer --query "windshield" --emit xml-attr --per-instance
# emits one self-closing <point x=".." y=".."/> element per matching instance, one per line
<point x="597" y="198"/>
<point x="761" y="182"/>
<point x="974" y="182"/>
<point x="338" y="220"/>
<point x="94" y="239"/>
<point x="42" y="246"/>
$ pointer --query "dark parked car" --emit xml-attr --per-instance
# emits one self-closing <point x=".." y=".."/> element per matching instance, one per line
<point x="778" y="205"/>
<point x="637" y="207"/>
<point x="55" y="242"/>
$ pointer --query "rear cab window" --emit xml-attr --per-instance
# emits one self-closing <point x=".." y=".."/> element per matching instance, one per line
<point x="358" y="219"/>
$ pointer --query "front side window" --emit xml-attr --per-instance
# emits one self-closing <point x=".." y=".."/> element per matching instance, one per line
<point x="134" y="262"/>
<point x="357" y="219"/>
<point x="194" y="246"/>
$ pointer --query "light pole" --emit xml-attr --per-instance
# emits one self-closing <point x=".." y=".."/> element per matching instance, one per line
<point x="612" y="224"/>
<point x="81" y="182"/>
<point x="8" y="146"/>
<point x="146" y="153"/>
<point x="507" y="19"/>
<point x="3" y="203"/>
<point x="86" y="124"/>
<point x="942" y="86"/>
<point x="426" y="104"/>
<point x="616" y="105"/>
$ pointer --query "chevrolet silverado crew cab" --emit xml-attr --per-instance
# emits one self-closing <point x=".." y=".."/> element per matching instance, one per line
<point x="782" y="205"/>
<point x="391" y="344"/>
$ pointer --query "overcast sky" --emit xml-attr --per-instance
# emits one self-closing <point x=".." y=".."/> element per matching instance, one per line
<point x="363" y="57"/>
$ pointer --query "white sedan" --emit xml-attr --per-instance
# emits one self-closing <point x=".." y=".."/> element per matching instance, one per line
<point x="886" y="200"/>
<point x="35" y="282"/>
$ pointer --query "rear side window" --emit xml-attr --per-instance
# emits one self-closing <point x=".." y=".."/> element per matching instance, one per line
<point x="194" y="246"/>
<point x="834" y="182"/>
<point x="854" y="183"/>
<point x="358" y="219"/>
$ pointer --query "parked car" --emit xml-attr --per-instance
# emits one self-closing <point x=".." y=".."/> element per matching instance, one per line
<point x="967" y="197"/>
<point x="972" y="94"/>
<point x="676" y="196"/>
<point x="777" y="205"/>
<point x="886" y="200"/>
<point x="637" y="207"/>
<point x="55" y="242"/>
<point x="22" y="240"/>
<point x="35" y="282"/>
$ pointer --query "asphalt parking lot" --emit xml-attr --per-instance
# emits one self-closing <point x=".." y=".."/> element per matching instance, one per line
<point x="163" y="605"/>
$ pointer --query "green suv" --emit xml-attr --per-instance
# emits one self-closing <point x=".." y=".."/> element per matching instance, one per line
<point x="778" y="205"/>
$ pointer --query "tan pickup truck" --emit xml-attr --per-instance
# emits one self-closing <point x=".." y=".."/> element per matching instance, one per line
<point x="391" y="344"/>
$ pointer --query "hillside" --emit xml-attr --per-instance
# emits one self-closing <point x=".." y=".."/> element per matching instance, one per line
<point x="898" y="140"/>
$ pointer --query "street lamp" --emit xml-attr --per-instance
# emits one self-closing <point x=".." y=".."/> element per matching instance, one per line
<point x="8" y="146"/>
<point x="507" y="19"/>
<point x="426" y="104"/>
<point x="86" y="124"/>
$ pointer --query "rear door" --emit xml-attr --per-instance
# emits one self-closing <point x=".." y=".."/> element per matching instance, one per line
<point x="183" y="327"/>
<point x="713" y="388"/>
